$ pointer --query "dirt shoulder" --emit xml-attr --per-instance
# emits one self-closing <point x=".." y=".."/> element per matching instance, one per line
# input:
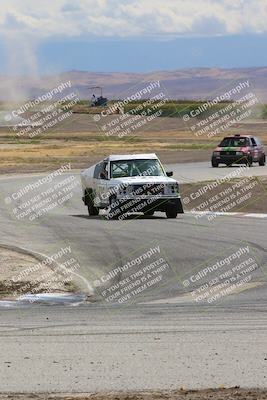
<point x="208" y="394"/>
<point x="21" y="274"/>
<point x="246" y="195"/>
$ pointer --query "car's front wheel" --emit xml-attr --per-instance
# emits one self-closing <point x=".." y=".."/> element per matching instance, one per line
<point x="89" y="201"/>
<point x="92" y="211"/>
<point x="249" y="161"/>
<point x="262" y="161"/>
<point x="171" y="212"/>
<point x="214" y="163"/>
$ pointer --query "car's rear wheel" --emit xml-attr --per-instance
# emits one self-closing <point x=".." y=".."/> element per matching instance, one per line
<point x="262" y="160"/>
<point x="171" y="212"/>
<point x="214" y="163"/>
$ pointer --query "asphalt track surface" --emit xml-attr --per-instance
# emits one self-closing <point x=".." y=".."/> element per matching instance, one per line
<point x="163" y="338"/>
<point x="202" y="171"/>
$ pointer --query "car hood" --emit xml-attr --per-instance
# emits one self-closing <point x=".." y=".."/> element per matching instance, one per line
<point x="229" y="148"/>
<point x="142" y="180"/>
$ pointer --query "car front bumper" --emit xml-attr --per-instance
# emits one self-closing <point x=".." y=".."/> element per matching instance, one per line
<point x="231" y="159"/>
<point x="147" y="203"/>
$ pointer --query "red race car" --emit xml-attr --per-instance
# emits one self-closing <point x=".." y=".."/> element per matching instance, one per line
<point x="239" y="149"/>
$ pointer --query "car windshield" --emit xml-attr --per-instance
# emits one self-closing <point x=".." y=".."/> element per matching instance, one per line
<point x="125" y="168"/>
<point x="235" y="142"/>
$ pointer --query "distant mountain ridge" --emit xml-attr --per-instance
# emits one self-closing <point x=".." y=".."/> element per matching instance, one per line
<point x="196" y="83"/>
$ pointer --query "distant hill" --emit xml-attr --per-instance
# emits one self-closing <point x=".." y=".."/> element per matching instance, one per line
<point x="201" y="83"/>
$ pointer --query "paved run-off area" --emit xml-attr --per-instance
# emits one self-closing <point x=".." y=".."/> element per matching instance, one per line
<point x="142" y="347"/>
<point x="163" y="340"/>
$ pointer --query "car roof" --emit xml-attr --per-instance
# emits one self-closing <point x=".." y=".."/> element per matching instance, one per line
<point x="117" y="157"/>
<point x="238" y="136"/>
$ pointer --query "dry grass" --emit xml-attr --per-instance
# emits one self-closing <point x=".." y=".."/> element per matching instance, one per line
<point x="81" y="152"/>
<point x="81" y="142"/>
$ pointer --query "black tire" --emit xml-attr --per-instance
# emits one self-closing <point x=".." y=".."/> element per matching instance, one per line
<point x="262" y="161"/>
<point x="171" y="212"/>
<point x="249" y="162"/>
<point x="214" y="163"/>
<point x="89" y="201"/>
<point x="180" y="207"/>
<point x="149" y="212"/>
<point x="93" y="211"/>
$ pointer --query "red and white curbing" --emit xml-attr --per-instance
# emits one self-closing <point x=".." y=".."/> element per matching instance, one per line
<point x="231" y="214"/>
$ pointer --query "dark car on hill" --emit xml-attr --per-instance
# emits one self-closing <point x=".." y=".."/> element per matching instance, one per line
<point x="239" y="149"/>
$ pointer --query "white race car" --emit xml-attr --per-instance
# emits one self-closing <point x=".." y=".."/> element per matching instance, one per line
<point x="125" y="184"/>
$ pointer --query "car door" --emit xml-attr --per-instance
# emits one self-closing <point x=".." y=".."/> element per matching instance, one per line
<point x="255" y="150"/>
<point x="101" y="182"/>
<point x="260" y="148"/>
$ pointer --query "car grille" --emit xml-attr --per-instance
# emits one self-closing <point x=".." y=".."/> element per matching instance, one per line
<point x="148" y="189"/>
<point x="228" y="153"/>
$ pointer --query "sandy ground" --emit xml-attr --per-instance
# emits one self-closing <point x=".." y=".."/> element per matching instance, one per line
<point x="209" y="394"/>
<point x="14" y="284"/>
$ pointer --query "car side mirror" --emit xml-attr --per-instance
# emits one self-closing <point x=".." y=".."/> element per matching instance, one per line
<point x="103" y="175"/>
<point x="169" y="173"/>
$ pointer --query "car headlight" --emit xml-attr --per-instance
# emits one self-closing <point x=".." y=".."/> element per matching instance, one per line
<point x="173" y="188"/>
<point x="216" y="153"/>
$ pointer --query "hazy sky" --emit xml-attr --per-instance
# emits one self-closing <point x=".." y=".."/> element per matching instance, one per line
<point x="131" y="35"/>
